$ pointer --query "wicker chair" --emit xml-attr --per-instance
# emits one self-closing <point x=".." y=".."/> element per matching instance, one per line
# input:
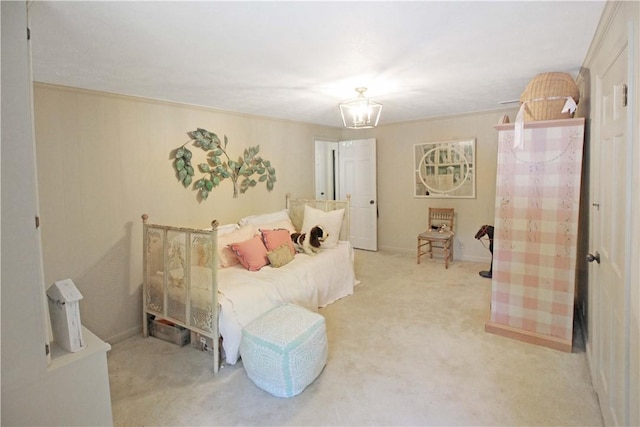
<point x="439" y="235"/>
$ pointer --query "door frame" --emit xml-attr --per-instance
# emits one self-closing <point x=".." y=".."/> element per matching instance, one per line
<point x="326" y="171"/>
<point x="327" y="177"/>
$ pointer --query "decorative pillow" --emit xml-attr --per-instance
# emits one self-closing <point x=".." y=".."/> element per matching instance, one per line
<point x="280" y="256"/>
<point x="226" y="257"/>
<point x="331" y="222"/>
<point x="275" y="238"/>
<point x="251" y="253"/>
<point x="258" y="220"/>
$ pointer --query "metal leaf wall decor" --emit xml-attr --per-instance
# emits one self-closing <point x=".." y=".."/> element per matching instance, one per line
<point x="245" y="172"/>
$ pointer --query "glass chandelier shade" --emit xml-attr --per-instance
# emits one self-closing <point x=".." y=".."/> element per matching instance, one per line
<point x="360" y="113"/>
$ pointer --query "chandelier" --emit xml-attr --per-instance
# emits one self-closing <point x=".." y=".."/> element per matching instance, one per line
<point x="360" y="113"/>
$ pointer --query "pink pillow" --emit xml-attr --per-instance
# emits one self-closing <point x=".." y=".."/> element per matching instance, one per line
<point x="251" y="253"/>
<point x="226" y="257"/>
<point x="273" y="239"/>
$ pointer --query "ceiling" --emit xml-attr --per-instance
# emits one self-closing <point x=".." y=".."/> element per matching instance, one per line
<point x="298" y="60"/>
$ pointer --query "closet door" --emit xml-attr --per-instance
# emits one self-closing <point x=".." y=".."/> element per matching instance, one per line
<point x="610" y="244"/>
<point x="25" y="315"/>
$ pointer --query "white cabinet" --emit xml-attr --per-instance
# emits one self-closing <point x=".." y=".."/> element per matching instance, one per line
<point x="73" y="392"/>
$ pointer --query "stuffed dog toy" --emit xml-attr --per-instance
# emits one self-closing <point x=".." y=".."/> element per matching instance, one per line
<point x="309" y="243"/>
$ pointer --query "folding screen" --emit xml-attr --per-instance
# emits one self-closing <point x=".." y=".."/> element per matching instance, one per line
<point x="536" y="231"/>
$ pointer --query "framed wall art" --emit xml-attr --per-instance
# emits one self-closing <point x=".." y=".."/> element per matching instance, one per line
<point x="445" y="169"/>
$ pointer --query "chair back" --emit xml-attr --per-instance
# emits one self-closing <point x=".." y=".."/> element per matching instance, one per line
<point x="439" y="216"/>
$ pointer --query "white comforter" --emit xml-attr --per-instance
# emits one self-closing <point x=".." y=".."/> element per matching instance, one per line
<point x="307" y="281"/>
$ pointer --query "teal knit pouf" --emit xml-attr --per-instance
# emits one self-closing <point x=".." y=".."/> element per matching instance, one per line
<point x="285" y="349"/>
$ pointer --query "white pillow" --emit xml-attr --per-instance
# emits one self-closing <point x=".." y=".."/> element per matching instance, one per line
<point x="226" y="257"/>
<point x="227" y="228"/>
<point x="331" y="222"/>
<point x="259" y="220"/>
<point x="285" y="223"/>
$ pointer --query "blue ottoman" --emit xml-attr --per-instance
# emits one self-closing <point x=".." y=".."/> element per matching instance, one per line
<point x="284" y="349"/>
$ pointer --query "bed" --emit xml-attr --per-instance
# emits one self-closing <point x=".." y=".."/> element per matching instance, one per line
<point x="189" y="280"/>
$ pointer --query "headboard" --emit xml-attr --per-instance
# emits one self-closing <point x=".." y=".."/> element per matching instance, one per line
<point x="296" y="211"/>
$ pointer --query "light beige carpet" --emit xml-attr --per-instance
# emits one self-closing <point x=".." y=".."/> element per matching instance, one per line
<point x="408" y="348"/>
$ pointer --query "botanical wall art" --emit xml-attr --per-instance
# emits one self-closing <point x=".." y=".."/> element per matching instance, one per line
<point x="445" y="169"/>
<point x="245" y="172"/>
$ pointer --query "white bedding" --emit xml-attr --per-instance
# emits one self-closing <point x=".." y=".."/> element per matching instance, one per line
<point x="308" y="281"/>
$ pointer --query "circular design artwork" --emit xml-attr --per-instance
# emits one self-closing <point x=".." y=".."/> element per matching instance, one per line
<point x="443" y="170"/>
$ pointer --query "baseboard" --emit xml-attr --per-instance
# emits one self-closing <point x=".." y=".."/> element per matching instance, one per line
<point x="473" y="259"/>
<point x="528" y="336"/>
<point x="455" y="257"/>
<point x="137" y="330"/>
<point x="398" y="250"/>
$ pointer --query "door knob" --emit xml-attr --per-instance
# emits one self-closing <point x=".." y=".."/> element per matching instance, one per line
<point x="595" y="257"/>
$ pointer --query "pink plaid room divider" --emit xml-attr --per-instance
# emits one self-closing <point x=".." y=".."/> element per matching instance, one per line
<point x="536" y="231"/>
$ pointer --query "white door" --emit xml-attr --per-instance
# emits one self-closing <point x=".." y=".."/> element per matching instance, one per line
<point x="357" y="177"/>
<point x="609" y="241"/>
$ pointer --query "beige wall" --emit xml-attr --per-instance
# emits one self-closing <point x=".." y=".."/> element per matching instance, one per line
<point x="402" y="216"/>
<point x="103" y="160"/>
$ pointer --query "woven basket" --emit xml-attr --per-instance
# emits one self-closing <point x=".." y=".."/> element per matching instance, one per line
<point x="545" y="96"/>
